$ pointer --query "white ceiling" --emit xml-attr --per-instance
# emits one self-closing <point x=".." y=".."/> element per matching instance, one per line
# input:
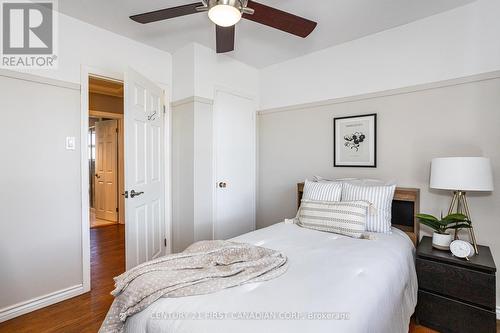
<point x="257" y="45"/>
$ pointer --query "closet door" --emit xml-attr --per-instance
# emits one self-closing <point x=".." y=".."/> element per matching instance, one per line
<point x="235" y="165"/>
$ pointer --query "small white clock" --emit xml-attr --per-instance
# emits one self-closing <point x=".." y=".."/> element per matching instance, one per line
<point x="462" y="249"/>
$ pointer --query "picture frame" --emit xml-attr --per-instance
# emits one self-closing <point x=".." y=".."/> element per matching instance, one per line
<point x="355" y="141"/>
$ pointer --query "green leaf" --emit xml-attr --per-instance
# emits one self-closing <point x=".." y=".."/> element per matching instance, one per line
<point x="433" y="225"/>
<point x="460" y="226"/>
<point x="426" y="217"/>
<point x="443" y="223"/>
<point x="456" y="217"/>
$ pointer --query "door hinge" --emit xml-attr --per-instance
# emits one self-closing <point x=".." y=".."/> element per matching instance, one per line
<point x="164" y="109"/>
<point x="117" y="130"/>
<point x="165" y="242"/>
<point x="117" y="209"/>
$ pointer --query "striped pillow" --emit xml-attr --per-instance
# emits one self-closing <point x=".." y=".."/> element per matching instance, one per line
<point x="345" y="218"/>
<point x="322" y="191"/>
<point x="380" y="197"/>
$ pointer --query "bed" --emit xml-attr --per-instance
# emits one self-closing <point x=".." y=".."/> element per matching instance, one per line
<point x="333" y="284"/>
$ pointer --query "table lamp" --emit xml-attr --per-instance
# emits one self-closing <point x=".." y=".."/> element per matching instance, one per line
<point x="462" y="175"/>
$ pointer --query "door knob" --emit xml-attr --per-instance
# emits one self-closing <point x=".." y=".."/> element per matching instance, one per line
<point x="97" y="176"/>
<point x="222" y="185"/>
<point x="134" y="194"/>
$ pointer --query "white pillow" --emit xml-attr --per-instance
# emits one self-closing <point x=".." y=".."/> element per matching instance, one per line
<point x="322" y="191"/>
<point x="345" y="218"/>
<point x="380" y="197"/>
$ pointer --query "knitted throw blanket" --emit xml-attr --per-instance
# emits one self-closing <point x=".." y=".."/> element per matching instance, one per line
<point x="204" y="267"/>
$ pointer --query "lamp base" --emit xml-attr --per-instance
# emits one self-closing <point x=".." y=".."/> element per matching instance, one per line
<point x="459" y="205"/>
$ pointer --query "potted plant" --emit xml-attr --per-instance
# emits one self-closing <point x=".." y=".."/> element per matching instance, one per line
<point x="440" y="238"/>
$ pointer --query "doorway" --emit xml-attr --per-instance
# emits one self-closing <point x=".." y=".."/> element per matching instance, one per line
<point x="144" y="192"/>
<point x="106" y="179"/>
<point x="105" y="147"/>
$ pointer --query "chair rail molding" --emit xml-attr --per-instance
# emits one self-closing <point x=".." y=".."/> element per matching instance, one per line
<point x="385" y="93"/>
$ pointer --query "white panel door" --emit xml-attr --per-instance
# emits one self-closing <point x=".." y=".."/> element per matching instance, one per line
<point x="144" y="170"/>
<point x="106" y="170"/>
<point x="234" y="134"/>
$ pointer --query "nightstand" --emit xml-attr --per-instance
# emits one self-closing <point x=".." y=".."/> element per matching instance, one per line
<point x="455" y="295"/>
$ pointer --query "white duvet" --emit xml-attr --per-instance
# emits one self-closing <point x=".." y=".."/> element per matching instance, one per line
<point x="333" y="284"/>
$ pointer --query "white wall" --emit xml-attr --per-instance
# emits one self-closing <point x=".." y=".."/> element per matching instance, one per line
<point x="203" y="169"/>
<point x="220" y="71"/>
<point x="192" y="172"/>
<point x="182" y="175"/>
<point x="198" y="71"/>
<point x="183" y="73"/>
<point x="82" y="43"/>
<point x="40" y="192"/>
<point x="413" y="128"/>
<point x="457" y="43"/>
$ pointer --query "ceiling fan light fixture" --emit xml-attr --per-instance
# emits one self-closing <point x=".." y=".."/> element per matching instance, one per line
<point x="225" y="13"/>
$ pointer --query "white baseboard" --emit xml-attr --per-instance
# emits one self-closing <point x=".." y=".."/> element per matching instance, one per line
<point x="39" y="302"/>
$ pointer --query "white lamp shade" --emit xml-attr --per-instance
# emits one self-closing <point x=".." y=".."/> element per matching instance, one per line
<point x="224" y="15"/>
<point x="462" y="173"/>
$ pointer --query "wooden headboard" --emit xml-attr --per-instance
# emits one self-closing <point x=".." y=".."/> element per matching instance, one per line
<point x="405" y="206"/>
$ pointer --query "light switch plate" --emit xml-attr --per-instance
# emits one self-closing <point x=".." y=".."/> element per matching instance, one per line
<point x="70" y="143"/>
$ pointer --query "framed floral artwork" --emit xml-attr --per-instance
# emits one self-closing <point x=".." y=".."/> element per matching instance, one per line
<point x="355" y="141"/>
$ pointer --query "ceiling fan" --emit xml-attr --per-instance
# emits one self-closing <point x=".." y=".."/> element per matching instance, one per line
<point x="226" y="13"/>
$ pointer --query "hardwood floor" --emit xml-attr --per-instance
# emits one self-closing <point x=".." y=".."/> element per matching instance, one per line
<point x="96" y="223"/>
<point x="85" y="313"/>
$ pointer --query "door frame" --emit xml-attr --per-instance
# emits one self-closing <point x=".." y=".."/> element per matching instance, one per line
<point x="85" y="73"/>
<point x="252" y="98"/>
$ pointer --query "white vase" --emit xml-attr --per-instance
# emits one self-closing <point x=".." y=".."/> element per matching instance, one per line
<point x="441" y="241"/>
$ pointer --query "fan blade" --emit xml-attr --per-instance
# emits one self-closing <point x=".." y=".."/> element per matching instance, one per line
<point x="167" y="13"/>
<point x="280" y="20"/>
<point x="225" y="39"/>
